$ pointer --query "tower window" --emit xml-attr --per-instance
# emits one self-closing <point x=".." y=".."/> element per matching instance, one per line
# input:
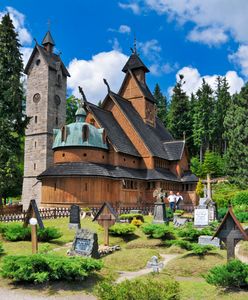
<point x="55" y="186"/>
<point x="34" y="166"/>
<point x="56" y="121"/>
<point x="37" y="62"/>
<point x="85" y="133"/>
<point x="35" y="119"/>
<point x="36" y="98"/>
<point x="59" y="80"/>
<point x="85" y="154"/>
<point x="35" y="144"/>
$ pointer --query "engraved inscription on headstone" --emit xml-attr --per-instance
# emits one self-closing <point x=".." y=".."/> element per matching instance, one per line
<point x="201" y="217"/>
<point x="74" y="216"/>
<point x="85" y="244"/>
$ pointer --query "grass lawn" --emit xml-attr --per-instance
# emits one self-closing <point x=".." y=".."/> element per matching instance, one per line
<point x="135" y="251"/>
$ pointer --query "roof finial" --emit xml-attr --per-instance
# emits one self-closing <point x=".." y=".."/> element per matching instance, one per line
<point x="134" y="49"/>
<point x="84" y="100"/>
<point x="105" y="81"/>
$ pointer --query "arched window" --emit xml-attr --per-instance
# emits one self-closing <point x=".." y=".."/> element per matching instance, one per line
<point x="59" y="80"/>
<point x="63" y="134"/>
<point x="104" y="137"/>
<point x="85" y="133"/>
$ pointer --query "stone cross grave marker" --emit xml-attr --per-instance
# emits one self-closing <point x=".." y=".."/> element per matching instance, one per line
<point x="74" y="217"/>
<point x="230" y="232"/>
<point x="154" y="264"/>
<point x="85" y="243"/>
<point x="106" y="217"/>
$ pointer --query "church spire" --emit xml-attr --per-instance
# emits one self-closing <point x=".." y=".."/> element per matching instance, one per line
<point x="48" y="42"/>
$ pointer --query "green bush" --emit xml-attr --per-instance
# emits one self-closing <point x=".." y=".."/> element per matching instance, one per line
<point x="122" y="229"/>
<point x="180" y="243"/>
<point x="130" y="217"/>
<point x="158" y="231"/>
<point x="145" y="289"/>
<point x="169" y="213"/>
<point x="41" y="268"/>
<point x="179" y="212"/>
<point x="224" y="192"/>
<point x="233" y="274"/>
<point x="48" y="234"/>
<point x="221" y="212"/>
<point x="242" y="216"/>
<point x="240" y="198"/>
<point x="201" y="250"/>
<point x="16" y="232"/>
<point x="189" y="233"/>
<point x="136" y="222"/>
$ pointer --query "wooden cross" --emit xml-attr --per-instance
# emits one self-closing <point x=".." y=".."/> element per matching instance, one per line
<point x="106" y="217"/>
<point x="230" y="232"/>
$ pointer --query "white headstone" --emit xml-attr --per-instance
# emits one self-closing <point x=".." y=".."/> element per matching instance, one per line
<point x="201" y="217"/>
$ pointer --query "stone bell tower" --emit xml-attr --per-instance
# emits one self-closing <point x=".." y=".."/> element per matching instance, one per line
<point x="46" y="106"/>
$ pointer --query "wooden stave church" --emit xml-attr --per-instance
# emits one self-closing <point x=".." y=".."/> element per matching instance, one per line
<point x="138" y="154"/>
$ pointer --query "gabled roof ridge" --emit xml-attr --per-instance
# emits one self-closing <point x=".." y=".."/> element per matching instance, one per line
<point x="236" y="221"/>
<point x="98" y="107"/>
<point x="174" y="141"/>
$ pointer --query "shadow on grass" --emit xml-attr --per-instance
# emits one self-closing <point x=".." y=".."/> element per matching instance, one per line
<point x="130" y="237"/>
<point x="190" y="254"/>
<point x="58" y="287"/>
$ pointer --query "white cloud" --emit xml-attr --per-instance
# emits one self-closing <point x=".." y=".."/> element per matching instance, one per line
<point x="240" y="58"/>
<point x="193" y="80"/>
<point x="19" y="24"/>
<point x="209" y="36"/>
<point x="132" y="5"/>
<point x="122" y="29"/>
<point x="160" y="69"/>
<point x="89" y="74"/>
<point x="26" y="53"/>
<point x="230" y="16"/>
<point x="150" y="49"/>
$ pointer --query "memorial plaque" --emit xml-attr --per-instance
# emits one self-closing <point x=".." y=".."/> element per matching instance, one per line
<point x="209" y="240"/>
<point x="201" y="217"/>
<point x="75" y="216"/>
<point x="85" y="244"/>
<point x="177" y="221"/>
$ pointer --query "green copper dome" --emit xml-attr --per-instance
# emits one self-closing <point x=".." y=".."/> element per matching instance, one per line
<point x="80" y="134"/>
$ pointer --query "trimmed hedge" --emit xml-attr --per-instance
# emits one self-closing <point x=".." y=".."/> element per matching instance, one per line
<point x="139" y="289"/>
<point x="16" y="232"/>
<point x="41" y="268"/>
<point x="122" y="229"/>
<point x="233" y="274"/>
<point x="196" y="249"/>
<point x="189" y="233"/>
<point x="1" y="249"/>
<point x="158" y="231"/>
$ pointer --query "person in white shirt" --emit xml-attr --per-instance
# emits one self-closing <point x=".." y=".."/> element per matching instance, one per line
<point x="179" y="198"/>
<point x="172" y="200"/>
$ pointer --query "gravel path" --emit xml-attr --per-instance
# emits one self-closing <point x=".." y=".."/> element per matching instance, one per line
<point x="131" y="275"/>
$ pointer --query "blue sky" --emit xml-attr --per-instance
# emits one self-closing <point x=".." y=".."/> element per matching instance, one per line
<point x="199" y="38"/>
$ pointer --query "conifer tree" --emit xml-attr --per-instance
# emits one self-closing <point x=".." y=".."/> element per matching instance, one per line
<point x="179" y="121"/>
<point x="204" y="118"/>
<point x="161" y="104"/>
<point x="12" y="120"/>
<point x="223" y="100"/>
<point x="236" y="124"/>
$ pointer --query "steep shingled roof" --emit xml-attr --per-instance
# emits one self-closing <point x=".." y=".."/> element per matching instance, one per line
<point x="134" y="62"/>
<point x="151" y="136"/>
<point x="48" y="39"/>
<point x="174" y="149"/>
<point x="50" y="58"/>
<point x="109" y="171"/>
<point x="115" y="133"/>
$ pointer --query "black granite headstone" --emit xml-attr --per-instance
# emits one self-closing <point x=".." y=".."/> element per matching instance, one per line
<point x="75" y="216"/>
<point x="159" y="216"/>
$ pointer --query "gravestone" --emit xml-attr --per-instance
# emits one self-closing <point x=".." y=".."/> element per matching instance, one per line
<point x="159" y="215"/>
<point x="209" y="240"/>
<point x="230" y="232"/>
<point x="85" y="244"/>
<point x="177" y="221"/>
<point x="201" y="217"/>
<point x="106" y="217"/>
<point x="154" y="264"/>
<point x="74" y="217"/>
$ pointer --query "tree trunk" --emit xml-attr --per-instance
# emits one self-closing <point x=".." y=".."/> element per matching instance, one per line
<point x="201" y="154"/>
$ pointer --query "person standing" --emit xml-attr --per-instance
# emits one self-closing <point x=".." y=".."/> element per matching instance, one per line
<point x="179" y="199"/>
<point x="172" y="200"/>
